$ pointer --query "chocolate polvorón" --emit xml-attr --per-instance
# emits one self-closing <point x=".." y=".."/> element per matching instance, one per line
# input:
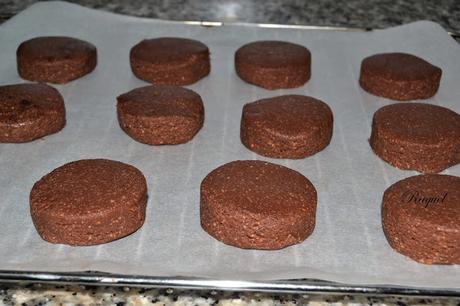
<point x="170" y="60"/>
<point x="30" y="111"/>
<point x="273" y="64"/>
<point x="399" y="76"/>
<point x="257" y="205"/>
<point x="160" y="114"/>
<point x="88" y="202"/>
<point x="421" y="218"/>
<point x="290" y="126"/>
<point x="55" y="59"/>
<point x="417" y="136"/>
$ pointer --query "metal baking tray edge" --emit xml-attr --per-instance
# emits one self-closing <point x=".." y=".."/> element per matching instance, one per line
<point x="295" y="286"/>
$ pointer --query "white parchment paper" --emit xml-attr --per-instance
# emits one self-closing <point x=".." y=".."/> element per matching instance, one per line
<point x="347" y="245"/>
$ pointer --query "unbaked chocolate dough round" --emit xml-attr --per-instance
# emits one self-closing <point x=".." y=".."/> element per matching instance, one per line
<point x="30" y="111"/>
<point x="160" y="114"/>
<point x="421" y="218"/>
<point x="417" y="136"/>
<point x="170" y="60"/>
<point x="291" y="126"/>
<point x="273" y="64"/>
<point x="257" y="205"/>
<point x="88" y="202"/>
<point x="55" y="59"/>
<point x="399" y="76"/>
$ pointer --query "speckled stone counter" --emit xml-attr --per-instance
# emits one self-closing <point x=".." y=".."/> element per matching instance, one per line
<point x="352" y="13"/>
<point x="45" y="295"/>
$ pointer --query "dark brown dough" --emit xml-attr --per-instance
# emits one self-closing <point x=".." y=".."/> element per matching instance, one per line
<point x="273" y="64"/>
<point x="89" y="202"/>
<point x="30" y="111"/>
<point x="257" y="205"/>
<point x="399" y="76"/>
<point x="55" y="59"/>
<point x="160" y="114"/>
<point x="170" y="60"/>
<point x="417" y="136"/>
<point x="291" y="126"/>
<point x="421" y="218"/>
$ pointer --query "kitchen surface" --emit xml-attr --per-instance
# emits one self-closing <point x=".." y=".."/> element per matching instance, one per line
<point x="325" y="13"/>
<point x="355" y="13"/>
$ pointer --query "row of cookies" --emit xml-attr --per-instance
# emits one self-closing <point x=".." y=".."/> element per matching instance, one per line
<point x="297" y="112"/>
<point x="248" y="204"/>
<point x="416" y="136"/>
<point x="180" y="61"/>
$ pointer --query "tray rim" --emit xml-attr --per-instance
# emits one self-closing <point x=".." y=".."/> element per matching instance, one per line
<point x="294" y="286"/>
<point x="214" y="23"/>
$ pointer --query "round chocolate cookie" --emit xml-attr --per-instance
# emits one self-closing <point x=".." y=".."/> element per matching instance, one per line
<point x="399" y="76"/>
<point x="30" y="111"/>
<point x="273" y="64"/>
<point x="55" y="59"/>
<point x="421" y="218"/>
<point x="170" y="60"/>
<point x="160" y="114"/>
<point x="89" y="202"/>
<point x="290" y="126"/>
<point x="417" y="136"/>
<point x="257" y="205"/>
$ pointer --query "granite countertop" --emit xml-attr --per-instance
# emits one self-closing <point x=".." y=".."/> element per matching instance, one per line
<point x="352" y="13"/>
<point x="47" y="295"/>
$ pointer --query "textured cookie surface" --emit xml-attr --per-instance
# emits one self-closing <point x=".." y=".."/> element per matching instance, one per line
<point x="55" y="59"/>
<point x="421" y="218"/>
<point x="273" y="64"/>
<point x="257" y="205"/>
<point x="399" y="76"/>
<point x="30" y="111"/>
<point x="89" y="202"/>
<point x="417" y="136"/>
<point x="170" y="60"/>
<point x="291" y="126"/>
<point x="160" y="114"/>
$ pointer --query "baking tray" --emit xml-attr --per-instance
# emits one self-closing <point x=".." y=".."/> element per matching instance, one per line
<point x="277" y="282"/>
<point x="294" y="286"/>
